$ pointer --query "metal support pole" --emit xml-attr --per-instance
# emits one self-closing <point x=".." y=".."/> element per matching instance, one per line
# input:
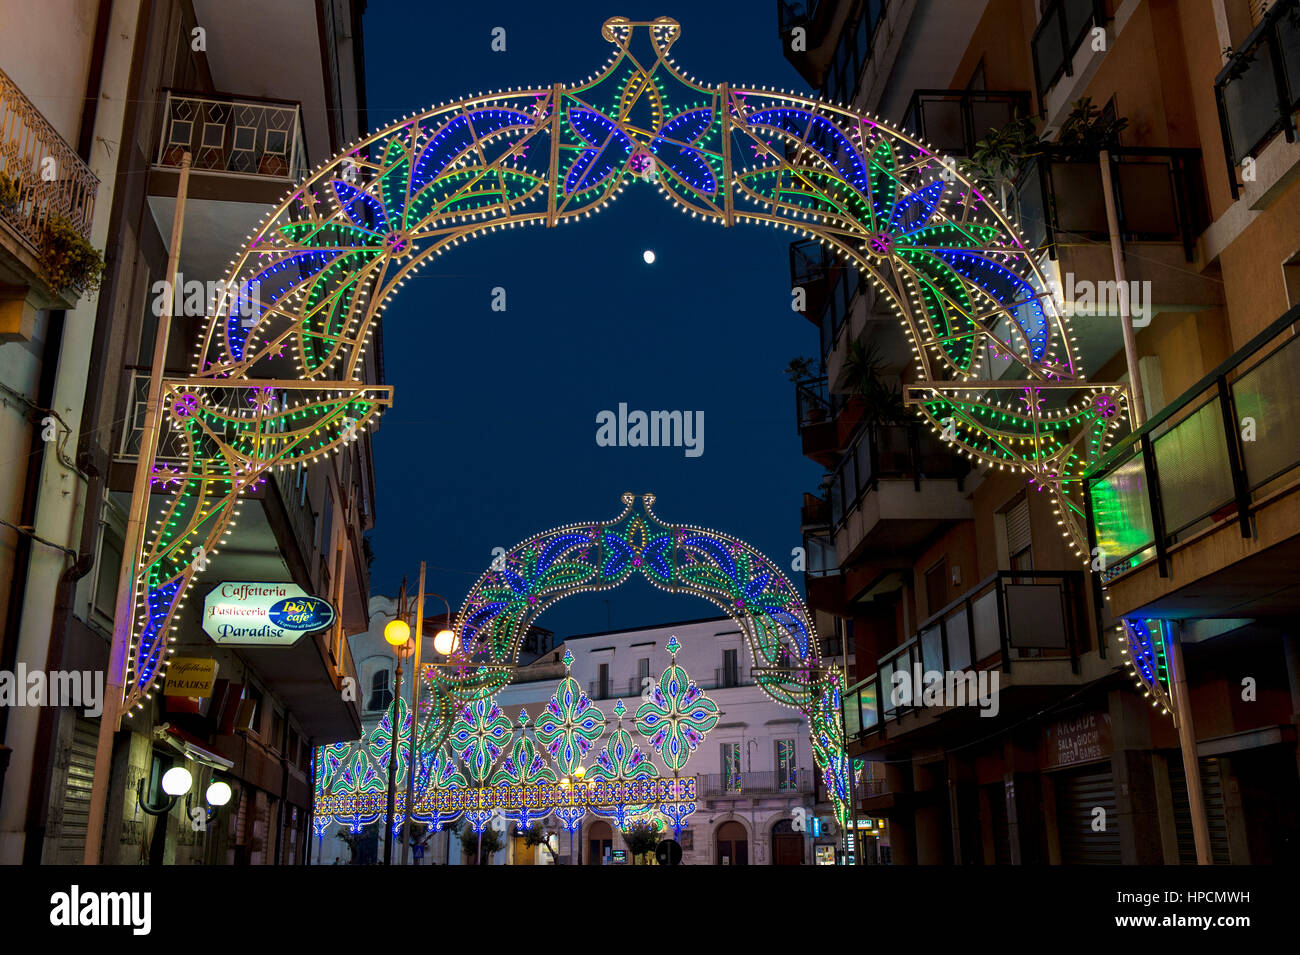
<point x="392" y="768"/>
<point x="1187" y="741"/>
<point x="110" y="719"/>
<point x="1138" y="411"/>
<point x="415" y="714"/>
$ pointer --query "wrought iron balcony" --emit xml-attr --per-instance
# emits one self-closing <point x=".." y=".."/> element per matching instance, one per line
<point x="1008" y="619"/>
<point x="1258" y="91"/>
<point x="239" y="135"/>
<point x="51" y="179"/>
<point x="1159" y="197"/>
<point x="1064" y="26"/>
<point x="953" y="121"/>
<point x="1210" y="457"/>
<point x="754" y="784"/>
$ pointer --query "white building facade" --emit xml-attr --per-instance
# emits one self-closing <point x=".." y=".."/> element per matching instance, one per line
<point x="757" y="791"/>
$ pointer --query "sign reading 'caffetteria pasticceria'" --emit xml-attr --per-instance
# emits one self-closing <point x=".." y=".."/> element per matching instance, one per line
<point x="263" y="614"/>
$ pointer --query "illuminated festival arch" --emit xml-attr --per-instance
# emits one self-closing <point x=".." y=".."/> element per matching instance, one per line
<point x="471" y="758"/>
<point x="276" y="379"/>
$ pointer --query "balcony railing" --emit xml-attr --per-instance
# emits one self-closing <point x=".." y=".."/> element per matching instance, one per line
<point x="794" y="13"/>
<point x="894" y="451"/>
<point x="953" y="121"/>
<point x="722" y="679"/>
<point x="1064" y="26"/>
<point x="753" y="784"/>
<point x="812" y="404"/>
<point x="1208" y="458"/>
<point x="1258" y="91"/>
<point x="820" y="559"/>
<point x="52" y="180"/>
<point x="1011" y="617"/>
<point x="1159" y="197"/>
<point x="233" y="135"/>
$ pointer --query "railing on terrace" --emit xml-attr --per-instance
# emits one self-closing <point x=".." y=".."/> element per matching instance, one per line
<point x="891" y="451"/>
<point x="1064" y="26"/>
<point x="1012" y="617"/>
<point x="820" y="559"/>
<point x="738" y="784"/>
<point x="812" y="403"/>
<point x="52" y="180"/>
<point x="1258" y="91"/>
<point x="953" y="121"/>
<point x="1211" y="456"/>
<point x="1159" y="197"/>
<point x="231" y="134"/>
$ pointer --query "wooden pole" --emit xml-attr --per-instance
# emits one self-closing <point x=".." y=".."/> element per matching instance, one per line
<point x="110" y="720"/>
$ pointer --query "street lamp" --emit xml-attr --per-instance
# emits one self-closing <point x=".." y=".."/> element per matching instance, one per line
<point x="398" y="635"/>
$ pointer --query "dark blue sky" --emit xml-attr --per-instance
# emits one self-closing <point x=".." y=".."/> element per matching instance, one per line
<point x="492" y="437"/>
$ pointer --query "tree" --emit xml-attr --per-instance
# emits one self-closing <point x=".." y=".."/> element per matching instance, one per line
<point x="641" y="839"/>
<point x="540" y="835"/>
<point x="353" y="841"/>
<point x="479" y="846"/>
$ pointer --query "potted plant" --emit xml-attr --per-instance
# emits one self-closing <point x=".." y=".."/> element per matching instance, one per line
<point x="877" y="401"/>
<point x="1087" y="130"/>
<point x="997" y="159"/>
<point x="70" y="262"/>
<point x="10" y="193"/>
<point x="799" y="369"/>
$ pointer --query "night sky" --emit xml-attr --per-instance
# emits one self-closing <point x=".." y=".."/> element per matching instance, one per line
<point x="493" y="434"/>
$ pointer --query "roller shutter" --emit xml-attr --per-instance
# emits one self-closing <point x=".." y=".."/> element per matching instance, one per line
<point x="1078" y="793"/>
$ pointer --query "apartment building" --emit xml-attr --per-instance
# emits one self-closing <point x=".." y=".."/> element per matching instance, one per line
<point x="257" y="94"/>
<point x="922" y="560"/>
<point x="754" y="771"/>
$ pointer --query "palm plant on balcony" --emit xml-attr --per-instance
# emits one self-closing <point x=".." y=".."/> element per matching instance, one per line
<point x="864" y="373"/>
<point x="70" y="262"/>
<point x="1087" y="130"/>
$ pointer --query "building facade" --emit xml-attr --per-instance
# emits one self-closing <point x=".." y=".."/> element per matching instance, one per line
<point x="920" y="558"/>
<point x="255" y="108"/>
<point x="759" y="802"/>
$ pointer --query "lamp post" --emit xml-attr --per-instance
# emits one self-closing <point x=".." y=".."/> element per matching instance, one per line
<point x="398" y="634"/>
<point x="444" y="644"/>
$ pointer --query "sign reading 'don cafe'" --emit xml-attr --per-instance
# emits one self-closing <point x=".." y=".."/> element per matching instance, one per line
<point x="263" y="614"/>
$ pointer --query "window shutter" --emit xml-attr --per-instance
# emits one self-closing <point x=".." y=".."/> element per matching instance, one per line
<point x="1018" y="533"/>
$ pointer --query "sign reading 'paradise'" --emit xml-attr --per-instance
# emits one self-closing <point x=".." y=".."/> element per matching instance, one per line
<point x="263" y="614"/>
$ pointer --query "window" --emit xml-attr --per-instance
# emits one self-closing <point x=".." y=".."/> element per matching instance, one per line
<point x="602" y="681"/>
<point x="642" y="673"/>
<point x="380" y="693"/>
<point x="785" y="764"/>
<point x="1018" y="536"/>
<point x="253" y="699"/>
<point x="730" y="668"/>
<point x="731" y="767"/>
<point x="110" y="565"/>
<point x="277" y="729"/>
<point x="324" y="530"/>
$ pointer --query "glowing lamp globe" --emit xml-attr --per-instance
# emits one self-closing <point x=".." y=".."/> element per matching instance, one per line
<point x="649" y="256"/>
<point x="580" y="773"/>
<point x="218" y="794"/>
<point x="177" y="781"/>
<point x="445" y="642"/>
<point x="397" y="632"/>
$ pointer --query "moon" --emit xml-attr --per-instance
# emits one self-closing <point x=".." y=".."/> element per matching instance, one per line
<point x="649" y="256"/>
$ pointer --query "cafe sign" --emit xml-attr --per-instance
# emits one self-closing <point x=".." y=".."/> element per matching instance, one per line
<point x="190" y="676"/>
<point x="262" y="614"/>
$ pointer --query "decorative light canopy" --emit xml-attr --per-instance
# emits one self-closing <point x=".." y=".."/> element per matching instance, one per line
<point x="997" y="372"/>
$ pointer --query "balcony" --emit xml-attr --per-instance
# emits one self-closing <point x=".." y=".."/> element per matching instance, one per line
<point x="894" y="486"/>
<point x="722" y="679"/>
<point x="835" y="46"/>
<point x="1196" y="498"/>
<point x="247" y="154"/>
<point x="1258" y="91"/>
<point x="732" y="785"/>
<point x="1064" y="26"/>
<point x="815" y="412"/>
<point x="51" y="181"/>
<point x="1030" y="625"/>
<point x="953" y="121"/>
<point x="242" y="136"/>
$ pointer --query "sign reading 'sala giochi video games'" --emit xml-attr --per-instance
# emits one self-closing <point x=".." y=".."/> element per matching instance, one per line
<point x="262" y="614"/>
